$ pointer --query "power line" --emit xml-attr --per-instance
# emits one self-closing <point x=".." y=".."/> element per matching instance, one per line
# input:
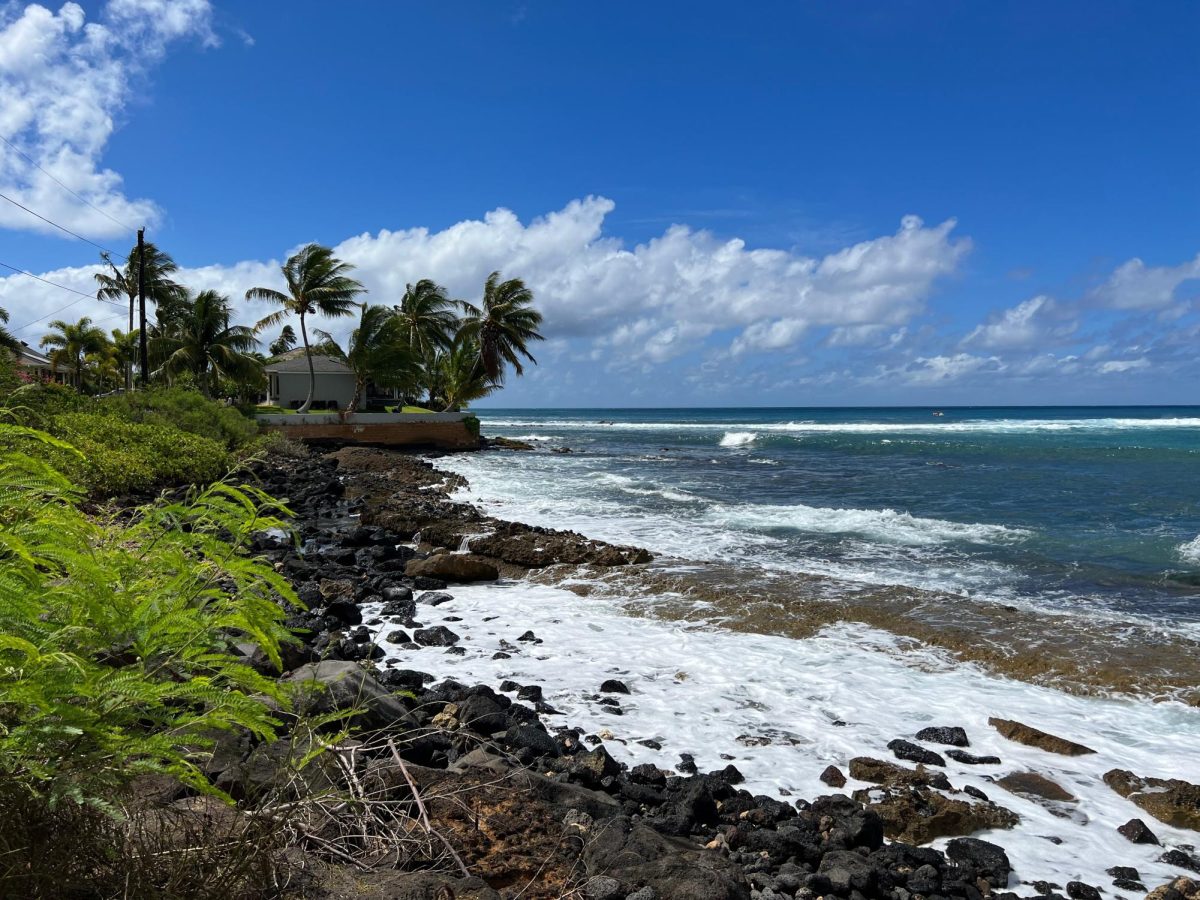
<point x="81" y="294"/>
<point x="82" y="200"/>
<point x="63" y="229"/>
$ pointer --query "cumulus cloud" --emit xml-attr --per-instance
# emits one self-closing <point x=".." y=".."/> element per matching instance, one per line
<point x="1135" y="285"/>
<point x="646" y="304"/>
<point x="1034" y="323"/>
<point x="64" y="82"/>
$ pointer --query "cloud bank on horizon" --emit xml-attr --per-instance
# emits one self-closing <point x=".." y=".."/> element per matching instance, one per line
<point x="685" y="317"/>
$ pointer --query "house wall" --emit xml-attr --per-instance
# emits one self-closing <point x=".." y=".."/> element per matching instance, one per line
<point x="288" y="388"/>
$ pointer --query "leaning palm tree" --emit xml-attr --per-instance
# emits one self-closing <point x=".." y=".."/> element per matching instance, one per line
<point x="206" y="345"/>
<point x="460" y="378"/>
<point x="8" y="340"/>
<point x="317" y="284"/>
<point x="122" y="285"/>
<point x="377" y="352"/>
<point x="71" y="343"/>
<point x="429" y="317"/>
<point x="501" y="326"/>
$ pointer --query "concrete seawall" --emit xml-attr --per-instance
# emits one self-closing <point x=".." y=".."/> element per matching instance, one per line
<point x="443" y="431"/>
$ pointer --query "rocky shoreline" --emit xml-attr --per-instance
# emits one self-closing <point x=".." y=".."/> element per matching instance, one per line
<point x="533" y="811"/>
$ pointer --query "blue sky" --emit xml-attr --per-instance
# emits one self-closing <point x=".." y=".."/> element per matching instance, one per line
<point x="778" y="203"/>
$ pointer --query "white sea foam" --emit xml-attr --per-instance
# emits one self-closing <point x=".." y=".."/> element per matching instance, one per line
<point x="997" y="426"/>
<point x="698" y="690"/>
<point x="1189" y="551"/>
<point x="885" y="525"/>
<point x="738" y="438"/>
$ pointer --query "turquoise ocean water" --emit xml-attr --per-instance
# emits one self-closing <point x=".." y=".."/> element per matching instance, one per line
<point x="1095" y="510"/>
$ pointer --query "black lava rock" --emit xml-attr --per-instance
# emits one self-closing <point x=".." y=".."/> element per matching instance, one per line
<point x="970" y="760"/>
<point x="986" y="860"/>
<point x="910" y="751"/>
<point x="437" y="636"/>
<point x="1137" y="832"/>
<point x="613" y="686"/>
<point x="942" y="734"/>
<point x="1079" y="890"/>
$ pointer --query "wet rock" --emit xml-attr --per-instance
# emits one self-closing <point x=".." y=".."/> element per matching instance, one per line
<point x="686" y="764"/>
<point x="833" y="777"/>
<point x="888" y="774"/>
<point x="1181" y="859"/>
<point x="968" y="759"/>
<point x="913" y="753"/>
<point x="1178" y="889"/>
<point x="1169" y="800"/>
<point x="918" y="815"/>
<point x="975" y="792"/>
<point x="1079" y="890"/>
<point x="437" y="636"/>
<point x="528" y="637"/>
<point x="951" y="735"/>
<point x="613" y="686"/>
<point x="1036" y="787"/>
<point x="1138" y="832"/>
<point x="1124" y="872"/>
<point x="1033" y="737"/>
<point x="434" y="598"/>
<point x="984" y="859"/>
<point x="458" y="567"/>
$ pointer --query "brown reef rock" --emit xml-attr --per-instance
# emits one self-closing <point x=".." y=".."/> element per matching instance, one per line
<point x="1033" y="737"/>
<point x="1169" y="800"/>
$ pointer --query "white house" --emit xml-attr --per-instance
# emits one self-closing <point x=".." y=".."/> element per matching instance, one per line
<point x="288" y="379"/>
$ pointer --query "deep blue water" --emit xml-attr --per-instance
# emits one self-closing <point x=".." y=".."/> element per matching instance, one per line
<point x="1083" y="508"/>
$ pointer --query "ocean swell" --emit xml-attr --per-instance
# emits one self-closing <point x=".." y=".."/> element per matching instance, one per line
<point x="886" y="525"/>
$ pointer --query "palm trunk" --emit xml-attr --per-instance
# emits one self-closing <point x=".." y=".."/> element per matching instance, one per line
<point x="360" y="385"/>
<point x="312" y="373"/>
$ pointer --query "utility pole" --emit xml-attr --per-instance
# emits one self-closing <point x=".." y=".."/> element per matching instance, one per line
<point x="143" y="356"/>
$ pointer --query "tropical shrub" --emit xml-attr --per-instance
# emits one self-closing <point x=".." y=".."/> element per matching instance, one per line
<point x="184" y="409"/>
<point x="120" y="457"/>
<point x="36" y="404"/>
<point x="115" y="639"/>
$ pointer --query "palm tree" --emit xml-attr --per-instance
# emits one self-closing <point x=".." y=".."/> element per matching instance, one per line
<point x="125" y="352"/>
<point x="8" y="340"/>
<point x="122" y="284"/>
<point x="429" y="317"/>
<point x="317" y="284"/>
<point x="460" y="378"/>
<point x="501" y="326"/>
<point x="206" y="345"/>
<point x="71" y="343"/>
<point x="378" y="352"/>
<point x="285" y="342"/>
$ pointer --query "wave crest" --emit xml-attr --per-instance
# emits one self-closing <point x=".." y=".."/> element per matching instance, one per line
<point x="738" y="438"/>
<point x="1189" y="551"/>
<point x="886" y="525"/>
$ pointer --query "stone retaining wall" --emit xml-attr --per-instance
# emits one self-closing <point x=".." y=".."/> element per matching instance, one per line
<point x="444" y="431"/>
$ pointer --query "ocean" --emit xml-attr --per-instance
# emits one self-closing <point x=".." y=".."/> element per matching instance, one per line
<point x="827" y="580"/>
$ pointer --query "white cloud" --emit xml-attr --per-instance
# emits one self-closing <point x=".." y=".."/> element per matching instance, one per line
<point x="1136" y="286"/>
<point x="646" y="305"/>
<point x="1034" y="323"/>
<point x="63" y="83"/>
<point x="1116" y="366"/>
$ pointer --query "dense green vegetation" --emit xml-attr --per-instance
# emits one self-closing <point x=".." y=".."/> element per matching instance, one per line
<point x="115" y="638"/>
